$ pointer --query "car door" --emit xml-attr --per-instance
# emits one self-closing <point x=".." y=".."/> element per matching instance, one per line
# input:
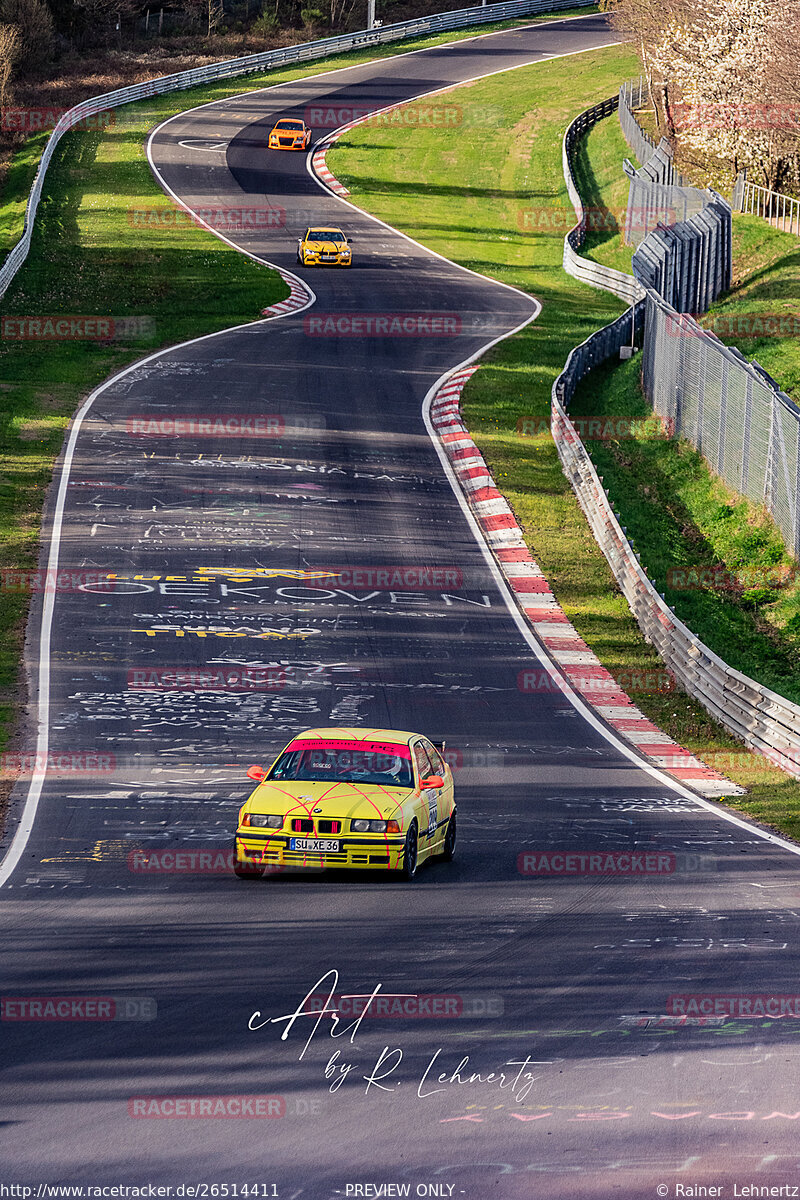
<point x="446" y="797"/>
<point x="428" y="799"/>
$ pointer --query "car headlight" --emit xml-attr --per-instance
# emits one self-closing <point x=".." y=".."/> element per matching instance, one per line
<point x="262" y="821"/>
<point x="369" y="826"/>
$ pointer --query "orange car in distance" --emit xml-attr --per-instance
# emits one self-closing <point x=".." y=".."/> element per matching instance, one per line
<point x="290" y="134"/>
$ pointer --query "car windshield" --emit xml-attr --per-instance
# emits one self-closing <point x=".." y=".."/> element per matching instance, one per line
<point x="325" y="235"/>
<point x="289" y="125"/>
<point x="345" y="762"/>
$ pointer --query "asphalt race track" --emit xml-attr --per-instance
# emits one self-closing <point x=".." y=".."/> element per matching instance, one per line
<point x="215" y="541"/>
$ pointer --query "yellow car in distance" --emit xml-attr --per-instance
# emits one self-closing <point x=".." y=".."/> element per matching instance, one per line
<point x="324" y="245"/>
<point x="370" y="799"/>
<point x="290" y="134"/>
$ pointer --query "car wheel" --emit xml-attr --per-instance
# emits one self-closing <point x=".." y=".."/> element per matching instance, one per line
<point x="245" y="870"/>
<point x="410" y="854"/>
<point x="449" y="851"/>
<point x="242" y="872"/>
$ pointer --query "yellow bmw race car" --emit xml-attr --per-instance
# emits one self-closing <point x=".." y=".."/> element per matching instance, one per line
<point x="324" y="245"/>
<point x="290" y="134"/>
<point x="376" y="799"/>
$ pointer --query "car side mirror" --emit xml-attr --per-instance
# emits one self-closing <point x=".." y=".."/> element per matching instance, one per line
<point x="433" y="781"/>
<point x="257" y="773"/>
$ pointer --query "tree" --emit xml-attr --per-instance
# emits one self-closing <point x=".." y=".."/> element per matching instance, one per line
<point x="209" y="12"/>
<point x="655" y="27"/>
<point x="9" y="49"/>
<point x="726" y="77"/>
<point x="101" y="19"/>
<point x="723" y="76"/>
<point x="34" y="25"/>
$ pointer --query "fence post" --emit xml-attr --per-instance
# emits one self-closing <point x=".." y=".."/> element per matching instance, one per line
<point x="723" y="414"/>
<point x="769" y="474"/>
<point x="797" y="494"/>
<point x="746" y="429"/>
<point x="701" y="394"/>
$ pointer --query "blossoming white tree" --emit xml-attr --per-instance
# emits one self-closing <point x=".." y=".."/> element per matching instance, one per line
<point x="718" y="72"/>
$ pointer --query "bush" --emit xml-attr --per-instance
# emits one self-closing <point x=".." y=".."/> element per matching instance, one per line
<point x="265" y="24"/>
<point x="755" y="597"/>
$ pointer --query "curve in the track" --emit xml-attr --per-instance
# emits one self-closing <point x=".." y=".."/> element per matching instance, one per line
<point x="215" y="541"/>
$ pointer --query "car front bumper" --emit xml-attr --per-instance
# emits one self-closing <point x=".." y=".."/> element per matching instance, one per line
<point x="357" y="853"/>
<point x="316" y="260"/>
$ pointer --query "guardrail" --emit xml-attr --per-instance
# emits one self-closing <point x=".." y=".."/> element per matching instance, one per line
<point x="235" y="67"/>
<point x="763" y="720"/>
<point x="595" y="274"/>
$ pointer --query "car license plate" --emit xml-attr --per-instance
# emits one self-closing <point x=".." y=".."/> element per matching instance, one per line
<point x="315" y="845"/>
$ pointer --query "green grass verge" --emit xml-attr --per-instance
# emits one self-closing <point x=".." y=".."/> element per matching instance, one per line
<point x="683" y="520"/>
<point x="498" y="207"/>
<point x="16" y="185"/>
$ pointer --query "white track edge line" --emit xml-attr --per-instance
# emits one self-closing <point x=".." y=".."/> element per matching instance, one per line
<point x="31" y="804"/>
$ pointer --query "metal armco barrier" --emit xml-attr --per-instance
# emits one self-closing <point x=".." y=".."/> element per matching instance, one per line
<point x="762" y="719"/>
<point x="595" y="274"/>
<point x="235" y="67"/>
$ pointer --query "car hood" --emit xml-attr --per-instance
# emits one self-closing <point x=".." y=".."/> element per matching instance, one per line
<point x="333" y="799"/>
<point x="327" y="247"/>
